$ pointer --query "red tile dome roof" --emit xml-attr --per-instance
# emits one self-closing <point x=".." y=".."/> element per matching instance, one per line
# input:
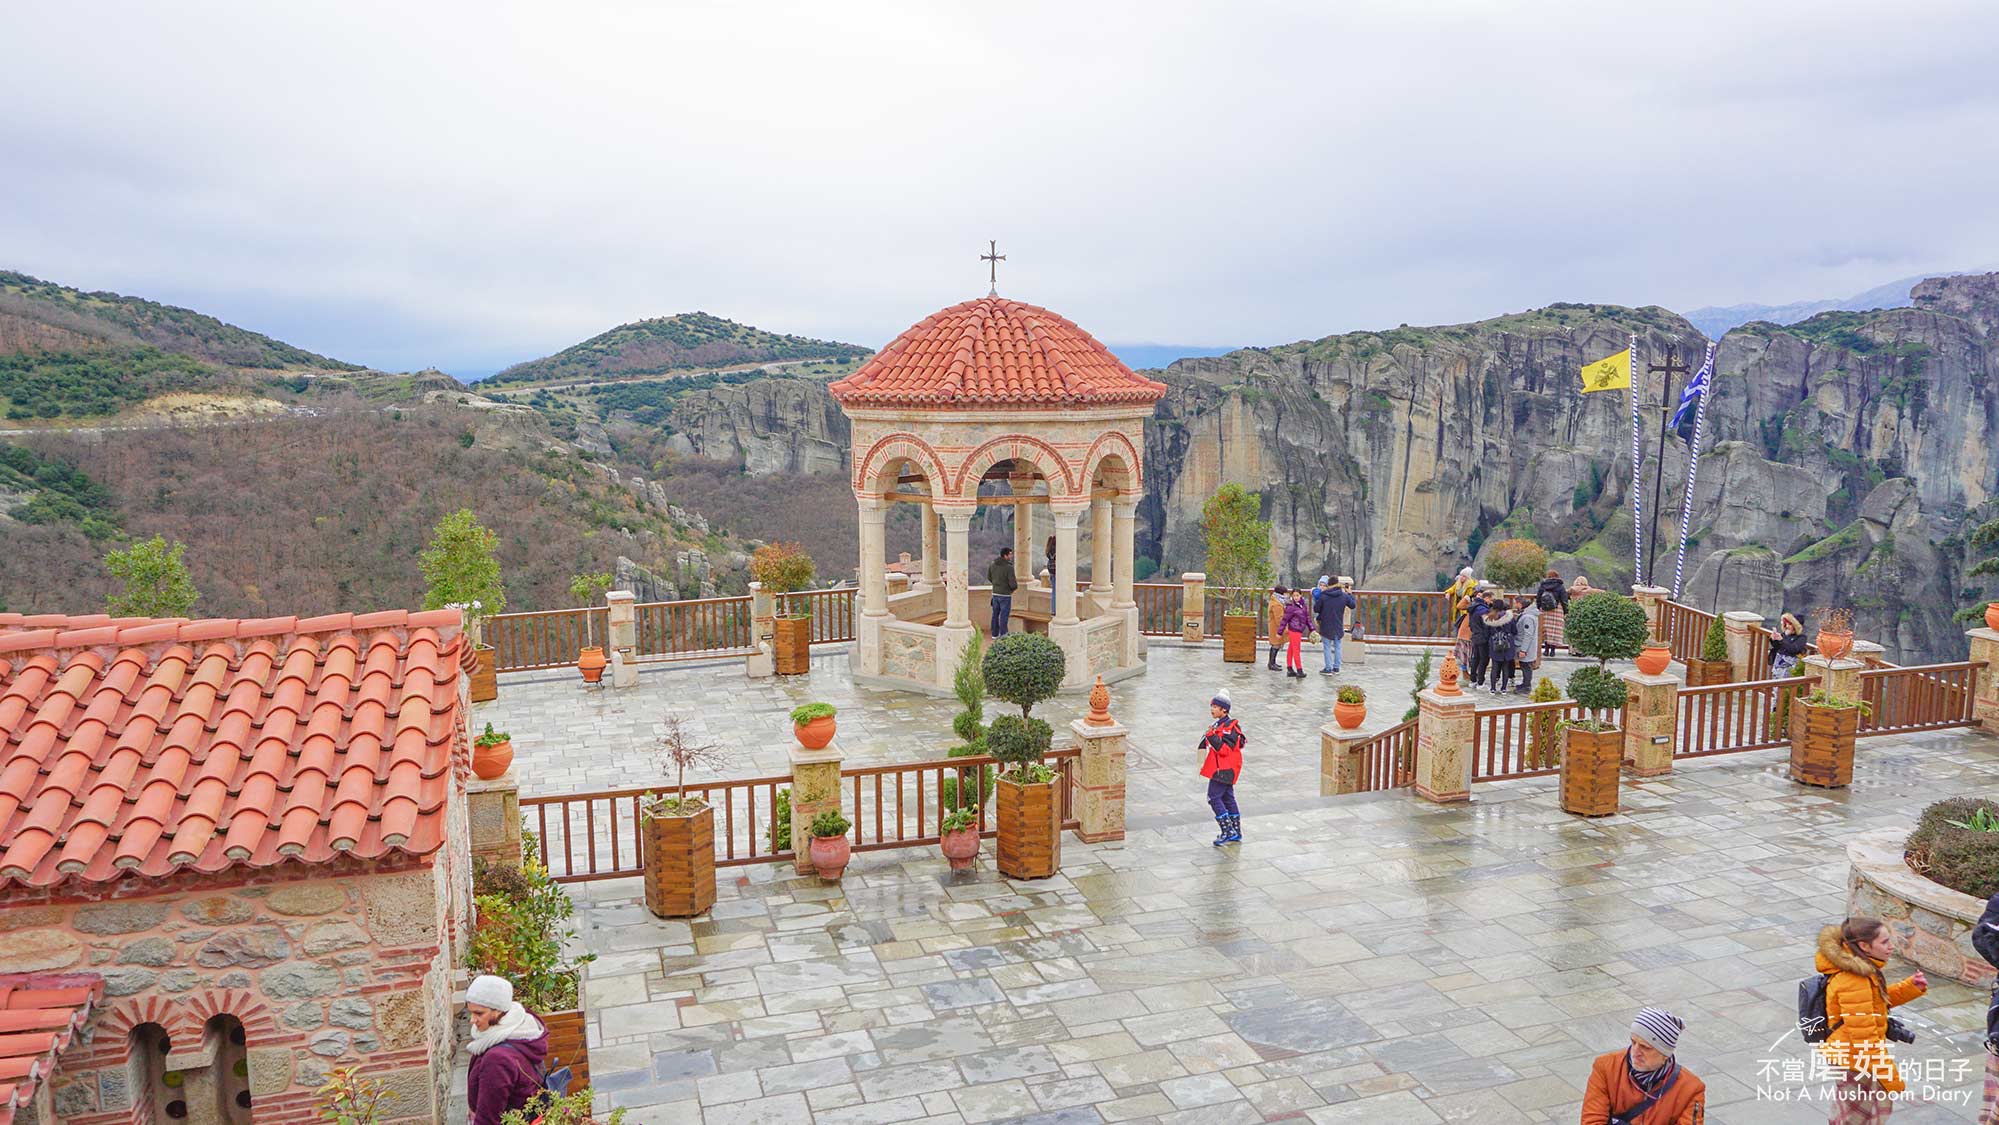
<point x="995" y="352"/>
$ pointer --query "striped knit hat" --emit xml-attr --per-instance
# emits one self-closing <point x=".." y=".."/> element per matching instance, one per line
<point x="1220" y="700"/>
<point x="1658" y="1029"/>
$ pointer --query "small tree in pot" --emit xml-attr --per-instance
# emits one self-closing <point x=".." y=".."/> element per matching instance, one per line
<point x="677" y="832"/>
<point x="1606" y="627"/>
<point x="461" y="568"/>
<point x="969" y="724"/>
<point x="1024" y="669"/>
<point x="783" y="569"/>
<point x="830" y="847"/>
<point x="1712" y="666"/>
<point x="1823" y="731"/>
<point x="588" y="590"/>
<point x="1238" y="562"/>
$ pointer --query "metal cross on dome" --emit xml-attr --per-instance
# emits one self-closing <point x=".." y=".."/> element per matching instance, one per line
<point x="993" y="255"/>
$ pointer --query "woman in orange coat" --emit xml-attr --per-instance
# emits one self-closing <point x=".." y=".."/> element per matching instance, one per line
<point x="1276" y="614"/>
<point x="1857" y="999"/>
<point x="1644" y="1083"/>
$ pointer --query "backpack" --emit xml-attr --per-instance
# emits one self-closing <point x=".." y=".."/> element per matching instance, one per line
<point x="1812" y="1023"/>
<point x="1546" y="600"/>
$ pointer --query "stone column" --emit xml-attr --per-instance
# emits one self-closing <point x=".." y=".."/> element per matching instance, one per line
<point x="1124" y="522"/>
<point x="874" y="585"/>
<point x="621" y="610"/>
<point x="957" y="589"/>
<point x="1649" y="723"/>
<point x="1985" y="693"/>
<point x="1836" y="677"/>
<point x="1024" y="553"/>
<point x="1193" y="606"/>
<point x="1741" y="627"/>
<point x="930" y="579"/>
<point x="763" y="633"/>
<point x="493" y="813"/>
<point x="815" y="787"/>
<point x="1339" y="762"/>
<point x="1653" y="599"/>
<point x="1101" y="538"/>
<point x="1067" y="519"/>
<point x="1443" y="744"/>
<point x="1100" y="799"/>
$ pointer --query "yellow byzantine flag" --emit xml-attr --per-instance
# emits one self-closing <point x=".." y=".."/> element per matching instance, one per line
<point x="1612" y="373"/>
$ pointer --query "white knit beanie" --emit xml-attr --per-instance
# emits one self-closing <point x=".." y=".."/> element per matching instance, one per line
<point x="492" y="992"/>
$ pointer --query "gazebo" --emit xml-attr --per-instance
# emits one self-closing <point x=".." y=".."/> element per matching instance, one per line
<point x="997" y="402"/>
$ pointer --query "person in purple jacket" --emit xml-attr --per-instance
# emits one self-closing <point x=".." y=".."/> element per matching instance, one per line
<point x="1297" y="623"/>
<point x="508" y="1047"/>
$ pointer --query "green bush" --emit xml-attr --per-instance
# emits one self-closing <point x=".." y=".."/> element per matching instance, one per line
<point x="1605" y="627"/>
<point x="1018" y="741"/>
<point x="1544" y="741"/>
<point x="780" y="823"/>
<point x="523" y="924"/>
<point x="783" y="569"/>
<point x="830" y="823"/>
<point x="1944" y="849"/>
<point x="1597" y="689"/>
<point x="1022" y="669"/>
<point x="807" y="712"/>
<point x="155" y="580"/>
<point x="1715" y="645"/>
<point x="1416" y="692"/>
<point x="1516" y="564"/>
<point x="1351" y="693"/>
<point x="460" y="567"/>
<point x="1238" y="546"/>
<point x="969" y="685"/>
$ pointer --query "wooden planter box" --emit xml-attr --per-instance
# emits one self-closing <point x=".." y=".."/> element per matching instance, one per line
<point x="1239" y="638"/>
<point x="1705" y="673"/>
<point x="794" y="645"/>
<point x="1822" y="744"/>
<point x="1030" y="829"/>
<point x="1590" y="766"/>
<point x="678" y="856"/>
<point x="485" y="683"/>
<point x="567" y="1045"/>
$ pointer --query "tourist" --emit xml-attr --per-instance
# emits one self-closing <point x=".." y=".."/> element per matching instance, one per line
<point x="1000" y="574"/>
<point x="1279" y="597"/>
<point x="1580" y="588"/>
<point x="1330" y="607"/>
<point x="1643" y="1083"/>
<point x="508" y="1046"/>
<point x="1527" y="630"/>
<point x="1481" y="636"/>
<point x="1857" y="999"/>
<point x="1787" y="645"/>
<point x="1985" y="939"/>
<point x="1551" y="597"/>
<point x="1457" y="595"/>
<point x="1297" y="623"/>
<point x="1502" y="643"/>
<point x="1223" y="768"/>
<point x="1050" y="552"/>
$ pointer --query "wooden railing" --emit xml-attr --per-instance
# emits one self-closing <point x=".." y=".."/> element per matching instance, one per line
<point x="899" y="806"/>
<point x="1925" y="697"/>
<point x="547" y="639"/>
<point x="1404" y="616"/>
<point x="1388" y="759"/>
<point x="1726" y="718"/>
<point x="1521" y="741"/>
<point x="678" y="630"/>
<point x="1158" y="607"/>
<point x="1684" y="629"/>
<point x="695" y="627"/>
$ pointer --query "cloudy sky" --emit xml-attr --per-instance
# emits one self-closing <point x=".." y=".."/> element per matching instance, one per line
<point x="466" y="186"/>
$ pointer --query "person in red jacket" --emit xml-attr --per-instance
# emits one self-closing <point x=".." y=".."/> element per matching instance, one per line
<point x="1223" y="768"/>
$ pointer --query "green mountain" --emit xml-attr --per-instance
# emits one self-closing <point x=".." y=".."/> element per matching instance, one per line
<point x="672" y="343"/>
<point x="46" y="314"/>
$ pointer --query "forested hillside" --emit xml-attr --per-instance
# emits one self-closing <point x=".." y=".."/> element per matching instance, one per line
<point x="69" y="319"/>
<point x="689" y="341"/>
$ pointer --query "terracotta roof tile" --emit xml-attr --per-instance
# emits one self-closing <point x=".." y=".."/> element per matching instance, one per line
<point x="995" y="352"/>
<point x="40" y="1014"/>
<point x="150" y="746"/>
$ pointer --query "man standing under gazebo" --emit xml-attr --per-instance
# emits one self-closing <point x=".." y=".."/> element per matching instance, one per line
<point x="1000" y="574"/>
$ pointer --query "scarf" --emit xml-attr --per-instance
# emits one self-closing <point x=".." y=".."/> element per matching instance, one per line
<point x="515" y="1024"/>
<point x="1648" y="1080"/>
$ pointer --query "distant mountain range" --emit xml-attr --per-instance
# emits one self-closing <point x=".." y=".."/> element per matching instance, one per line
<point x="1717" y="319"/>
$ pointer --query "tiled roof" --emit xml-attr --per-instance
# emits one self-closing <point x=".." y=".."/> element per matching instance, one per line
<point x="39" y="1014"/>
<point x="148" y="747"/>
<point x="995" y="352"/>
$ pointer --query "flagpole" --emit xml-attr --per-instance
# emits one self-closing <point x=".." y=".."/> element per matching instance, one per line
<point x="1693" y="467"/>
<point x="1637" y="461"/>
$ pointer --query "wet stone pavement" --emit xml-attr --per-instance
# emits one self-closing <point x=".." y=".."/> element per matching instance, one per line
<point x="1370" y="958"/>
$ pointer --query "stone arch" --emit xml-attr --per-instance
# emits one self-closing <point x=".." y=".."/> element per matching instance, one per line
<point x="895" y="448"/>
<point x="1016" y="447"/>
<point x="1114" y="447"/>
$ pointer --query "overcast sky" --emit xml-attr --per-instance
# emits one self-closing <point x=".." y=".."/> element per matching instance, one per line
<point x="418" y="184"/>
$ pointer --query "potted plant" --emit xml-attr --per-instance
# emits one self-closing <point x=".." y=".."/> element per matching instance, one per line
<point x="1024" y="669"/>
<point x="520" y="930"/>
<point x="549" y="1108"/>
<point x="461" y="570"/>
<point x="1835" y="637"/>
<point x="588" y="589"/>
<point x="958" y="836"/>
<point x="812" y="724"/>
<point x="492" y="753"/>
<point x="830" y="847"/>
<point x="1823" y="729"/>
<point x="676" y="831"/>
<point x="1605" y="627"/>
<point x="1654" y="658"/>
<point x="1350" y="710"/>
<point x="784" y="569"/>
<point x="1712" y="666"/>
<point x="1544" y="728"/>
<point x="1239" y="562"/>
<point x="968" y="683"/>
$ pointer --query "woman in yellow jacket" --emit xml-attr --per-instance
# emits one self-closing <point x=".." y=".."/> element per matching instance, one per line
<point x="1857" y="999"/>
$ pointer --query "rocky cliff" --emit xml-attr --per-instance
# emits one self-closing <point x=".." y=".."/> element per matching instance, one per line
<point x="1844" y="453"/>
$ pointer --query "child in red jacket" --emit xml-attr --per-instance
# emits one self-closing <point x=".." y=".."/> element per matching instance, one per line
<point x="1223" y="767"/>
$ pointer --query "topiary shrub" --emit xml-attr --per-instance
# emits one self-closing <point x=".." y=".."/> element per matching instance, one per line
<point x="1020" y="743"/>
<point x="1516" y="564"/>
<point x="1416" y="692"/>
<point x="1605" y="627"/>
<point x="969" y="724"/>
<point x="1544" y="742"/>
<point x="1598" y="690"/>
<point x="1715" y="645"/>
<point x="1954" y="845"/>
<point x="1023" y="669"/>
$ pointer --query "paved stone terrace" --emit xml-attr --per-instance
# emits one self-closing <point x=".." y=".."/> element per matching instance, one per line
<point x="1369" y="958"/>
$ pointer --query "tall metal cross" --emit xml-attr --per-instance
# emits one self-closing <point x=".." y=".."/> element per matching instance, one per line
<point x="1670" y="368"/>
<point x="993" y="255"/>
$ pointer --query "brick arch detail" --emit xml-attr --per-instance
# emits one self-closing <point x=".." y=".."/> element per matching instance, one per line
<point x="1114" y="444"/>
<point x="895" y="447"/>
<point x="1016" y="447"/>
<point x="184" y="1017"/>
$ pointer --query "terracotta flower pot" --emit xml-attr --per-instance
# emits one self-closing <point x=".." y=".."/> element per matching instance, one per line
<point x="591" y="663"/>
<point x="961" y="847"/>
<point x="1835" y="644"/>
<point x="830" y="855"/>
<point x="489" y="762"/>
<point x="815" y="734"/>
<point x="1350" y="715"/>
<point x="1654" y="659"/>
<point x="1992" y="615"/>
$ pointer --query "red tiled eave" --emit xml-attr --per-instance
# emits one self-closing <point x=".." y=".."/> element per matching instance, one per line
<point x="993" y="352"/>
<point x="40" y="1015"/>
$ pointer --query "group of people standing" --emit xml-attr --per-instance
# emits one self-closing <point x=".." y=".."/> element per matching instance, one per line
<point x="1502" y="638"/>
<point x="1296" y="614"/>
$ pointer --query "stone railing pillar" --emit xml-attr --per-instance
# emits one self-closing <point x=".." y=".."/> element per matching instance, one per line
<point x="1649" y="723"/>
<point x="1653" y="599"/>
<point x="1444" y="719"/>
<point x="815" y="787"/>
<point x="1836" y="677"/>
<point x="763" y="633"/>
<point x="1193" y="607"/>
<point x="622" y="616"/>
<point x="1869" y="653"/>
<point x="1985" y="693"/>
<point x="1741" y="627"/>
<point x="898" y="583"/>
<point x="1100" y="800"/>
<point x="1339" y="761"/>
<point x="493" y="814"/>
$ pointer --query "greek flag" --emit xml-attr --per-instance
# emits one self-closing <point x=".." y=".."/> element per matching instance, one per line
<point x="1696" y="387"/>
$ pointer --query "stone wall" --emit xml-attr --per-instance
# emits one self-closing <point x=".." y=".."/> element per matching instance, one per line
<point x="322" y="968"/>
<point x="1932" y="923"/>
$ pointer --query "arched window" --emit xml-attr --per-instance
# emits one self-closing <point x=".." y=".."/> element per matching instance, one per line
<point x="205" y="1081"/>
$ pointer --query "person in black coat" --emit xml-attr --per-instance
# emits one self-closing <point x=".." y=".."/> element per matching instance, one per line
<point x="1481" y="634"/>
<point x="1788" y="645"/>
<point x="1331" y="606"/>
<point x="1985" y="939"/>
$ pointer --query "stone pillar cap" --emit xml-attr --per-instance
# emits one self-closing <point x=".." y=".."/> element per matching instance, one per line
<point x="1462" y="699"/>
<point x="1840" y="665"/>
<point x="1193" y="576"/>
<point x="1650" y="590"/>
<point x="800" y="756"/>
<point x="617" y="597"/>
<point x="1112" y="729"/>
<point x="1983" y="633"/>
<point x="1743" y="615"/>
<point x="1634" y="676"/>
